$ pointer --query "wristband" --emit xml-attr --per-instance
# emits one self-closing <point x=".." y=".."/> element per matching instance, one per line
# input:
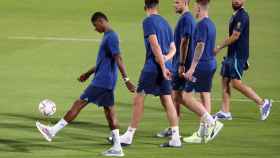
<point x="126" y="79"/>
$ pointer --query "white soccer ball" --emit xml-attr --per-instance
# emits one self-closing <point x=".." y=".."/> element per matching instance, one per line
<point x="47" y="107"/>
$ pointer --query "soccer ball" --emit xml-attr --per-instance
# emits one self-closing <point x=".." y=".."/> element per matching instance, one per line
<point x="47" y="107"/>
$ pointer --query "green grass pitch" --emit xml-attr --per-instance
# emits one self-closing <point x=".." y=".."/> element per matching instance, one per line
<point x="34" y="69"/>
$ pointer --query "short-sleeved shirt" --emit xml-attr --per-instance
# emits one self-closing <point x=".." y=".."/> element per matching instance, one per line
<point x="205" y="32"/>
<point x="106" y="67"/>
<point x="156" y="25"/>
<point x="240" y="22"/>
<point x="184" y="29"/>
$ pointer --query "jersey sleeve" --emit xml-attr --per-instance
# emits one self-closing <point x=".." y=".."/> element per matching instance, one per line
<point x="240" y="23"/>
<point x="148" y="28"/>
<point x="186" y="29"/>
<point x="113" y="44"/>
<point x="201" y="34"/>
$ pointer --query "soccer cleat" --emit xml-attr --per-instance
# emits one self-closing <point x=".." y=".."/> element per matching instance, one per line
<point x="194" y="139"/>
<point x="45" y="131"/>
<point x="265" y="109"/>
<point x="171" y="144"/>
<point x="165" y="133"/>
<point x="211" y="131"/>
<point x="113" y="152"/>
<point x="222" y="116"/>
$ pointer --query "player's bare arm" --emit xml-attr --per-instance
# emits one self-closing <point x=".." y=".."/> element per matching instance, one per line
<point x="171" y="52"/>
<point x="197" y="55"/>
<point x="184" y="47"/>
<point x="130" y="86"/>
<point x="228" y="41"/>
<point x="158" y="55"/>
<point x="86" y="75"/>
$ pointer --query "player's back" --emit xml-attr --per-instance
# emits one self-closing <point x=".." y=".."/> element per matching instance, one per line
<point x="240" y="22"/>
<point x="157" y="25"/>
<point x="206" y="32"/>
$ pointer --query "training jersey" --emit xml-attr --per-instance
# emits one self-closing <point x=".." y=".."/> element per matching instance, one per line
<point x="156" y="25"/>
<point x="240" y="48"/>
<point x="106" y="67"/>
<point x="184" y="29"/>
<point x="205" y="32"/>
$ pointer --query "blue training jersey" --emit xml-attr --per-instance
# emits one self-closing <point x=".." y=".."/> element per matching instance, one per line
<point x="156" y="25"/>
<point x="106" y="67"/>
<point x="205" y="32"/>
<point x="240" y="22"/>
<point x="184" y="29"/>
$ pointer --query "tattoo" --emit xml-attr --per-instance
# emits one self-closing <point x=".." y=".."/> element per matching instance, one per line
<point x="198" y="52"/>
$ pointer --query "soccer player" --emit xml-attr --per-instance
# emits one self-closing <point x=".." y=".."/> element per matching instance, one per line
<point x="101" y="89"/>
<point x="236" y="63"/>
<point x="200" y="75"/>
<point x="155" y="77"/>
<point x="181" y="61"/>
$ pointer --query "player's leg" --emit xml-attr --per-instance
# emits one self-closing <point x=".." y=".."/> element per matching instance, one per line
<point x="49" y="132"/>
<point x="167" y="102"/>
<point x="206" y="101"/>
<point x="111" y="116"/>
<point x="137" y="113"/>
<point x="177" y="99"/>
<point x="264" y="104"/>
<point x="224" y="113"/>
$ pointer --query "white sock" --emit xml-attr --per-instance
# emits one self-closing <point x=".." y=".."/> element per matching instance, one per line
<point x="116" y="139"/>
<point x="130" y="132"/>
<point x="207" y="118"/>
<point x="175" y="134"/>
<point x="58" y="126"/>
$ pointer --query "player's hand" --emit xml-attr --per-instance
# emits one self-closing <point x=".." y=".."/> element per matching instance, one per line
<point x="189" y="74"/>
<point x="83" y="77"/>
<point x="181" y="71"/>
<point x="130" y="86"/>
<point x="166" y="74"/>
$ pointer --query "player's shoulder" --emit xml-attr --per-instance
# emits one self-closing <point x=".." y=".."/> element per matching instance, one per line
<point x="243" y="14"/>
<point x="113" y="35"/>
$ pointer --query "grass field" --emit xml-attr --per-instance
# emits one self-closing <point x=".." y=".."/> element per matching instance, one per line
<point x="47" y="67"/>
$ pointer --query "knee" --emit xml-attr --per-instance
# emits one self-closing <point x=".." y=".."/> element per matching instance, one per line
<point x="236" y="84"/>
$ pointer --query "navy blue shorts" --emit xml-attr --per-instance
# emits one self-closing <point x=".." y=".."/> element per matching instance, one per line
<point x="99" y="96"/>
<point x="178" y="84"/>
<point x="202" y="81"/>
<point x="233" y="68"/>
<point x="153" y="83"/>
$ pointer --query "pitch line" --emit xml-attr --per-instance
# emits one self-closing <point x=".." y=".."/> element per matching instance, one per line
<point x="53" y="38"/>
<point x="243" y="100"/>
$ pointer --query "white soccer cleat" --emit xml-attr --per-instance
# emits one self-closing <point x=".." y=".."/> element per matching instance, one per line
<point x="172" y="144"/>
<point x="265" y="109"/>
<point x="113" y="152"/>
<point x="45" y="131"/>
<point x="211" y="131"/>
<point x="194" y="139"/>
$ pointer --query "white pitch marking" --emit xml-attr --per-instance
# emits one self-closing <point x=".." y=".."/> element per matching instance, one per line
<point x="53" y="38"/>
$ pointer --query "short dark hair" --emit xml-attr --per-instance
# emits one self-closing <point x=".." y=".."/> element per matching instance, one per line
<point x="98" y="15"/>
<point x="203" y="2"/>
<point x="151" y="3"/>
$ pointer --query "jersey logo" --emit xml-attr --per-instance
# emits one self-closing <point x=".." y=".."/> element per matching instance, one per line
<point x="238" y="25"/>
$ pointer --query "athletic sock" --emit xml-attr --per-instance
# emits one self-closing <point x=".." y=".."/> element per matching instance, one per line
<point x="116" y="139"/>
<point x="58" y="126"/>
<point x="130" y="132"/>
<point x="175" y="134"/>
<point x="208" y="119"/>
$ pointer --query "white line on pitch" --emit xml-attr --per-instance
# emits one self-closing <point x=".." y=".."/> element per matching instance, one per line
<point x="53" y="38"/>
<point x="243" y="100"/>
